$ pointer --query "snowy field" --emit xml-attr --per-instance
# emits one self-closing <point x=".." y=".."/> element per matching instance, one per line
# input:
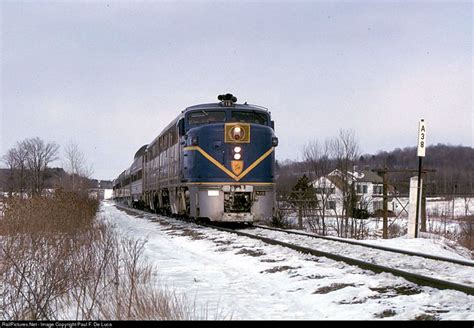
<point x="443" y="218"/>
<point x="239" y="278"/>
<point x="438" y="207"/>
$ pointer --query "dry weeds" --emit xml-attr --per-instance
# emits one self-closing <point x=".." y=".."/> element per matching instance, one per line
<point x="59" y="262"/>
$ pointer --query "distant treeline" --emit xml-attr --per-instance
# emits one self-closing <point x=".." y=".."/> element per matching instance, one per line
<point x="54" y="178"/>
<point x="453" y="165"/>
<point x="24" y="168"/>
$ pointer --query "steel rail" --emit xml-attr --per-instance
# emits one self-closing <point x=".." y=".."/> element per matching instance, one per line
<point x="383" y="248"/>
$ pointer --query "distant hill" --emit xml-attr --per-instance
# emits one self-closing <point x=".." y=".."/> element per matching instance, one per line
<point x="454" y="167"/>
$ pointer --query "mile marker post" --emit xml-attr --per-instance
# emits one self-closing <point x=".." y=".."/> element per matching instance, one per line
<point x="421" y="154"/>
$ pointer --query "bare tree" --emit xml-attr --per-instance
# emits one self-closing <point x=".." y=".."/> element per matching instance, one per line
<point x="317" y="158"/>
<point x="76" y="166"/>
<point x="339" y="152"/>
<point x="318" y="162"/>
<point x="38" y="156"/>
<point x="15" y="160"/>
<point x="9" y="160"/>
<point x="346" y="151"/>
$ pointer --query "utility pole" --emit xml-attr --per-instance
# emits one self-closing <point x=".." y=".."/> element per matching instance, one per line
<point x="384" y="173"/>
<point x="385" y="204"/>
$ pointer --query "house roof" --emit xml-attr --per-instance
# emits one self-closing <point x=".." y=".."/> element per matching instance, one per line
<point x="360" y="176"/>
<point x="369" y="176"/>
<point x="337" y="181"/>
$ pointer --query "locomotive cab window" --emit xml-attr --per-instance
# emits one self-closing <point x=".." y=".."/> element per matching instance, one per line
<point x="204" y="117"/>
<point x="249" y="117"/>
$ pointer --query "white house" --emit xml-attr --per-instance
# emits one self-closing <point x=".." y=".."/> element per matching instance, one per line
<point x="367" y="185"/>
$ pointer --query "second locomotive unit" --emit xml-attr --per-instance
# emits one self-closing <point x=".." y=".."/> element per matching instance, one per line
<point x="214" y="161"/>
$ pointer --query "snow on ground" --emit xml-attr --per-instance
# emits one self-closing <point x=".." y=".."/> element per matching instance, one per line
<point x="427" y="244"/>
<point x="242" y="278"/>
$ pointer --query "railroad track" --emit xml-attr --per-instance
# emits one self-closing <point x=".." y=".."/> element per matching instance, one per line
<point x="257" y="232"/>
<point x="371" y="265"/>
<point x="358" y="243"/>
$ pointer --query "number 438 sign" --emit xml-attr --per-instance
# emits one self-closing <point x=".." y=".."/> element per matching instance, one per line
<point x="421" y="138"/>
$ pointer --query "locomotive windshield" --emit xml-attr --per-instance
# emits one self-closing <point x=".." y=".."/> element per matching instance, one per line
<point x="249" y="117"/>
<point x="204" y="117"/>
<point x="208" y="116"/>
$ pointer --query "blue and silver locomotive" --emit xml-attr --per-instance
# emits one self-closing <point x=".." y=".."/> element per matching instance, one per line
<point x="214" y="161"/>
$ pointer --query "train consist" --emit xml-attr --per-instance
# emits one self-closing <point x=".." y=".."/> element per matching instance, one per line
<point x="214" y="161"/>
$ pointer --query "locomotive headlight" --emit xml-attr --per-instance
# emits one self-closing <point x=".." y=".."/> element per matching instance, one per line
<point x="237" y="133"/>
<point x="237" y="149"/>
<point x="237" y="156"/>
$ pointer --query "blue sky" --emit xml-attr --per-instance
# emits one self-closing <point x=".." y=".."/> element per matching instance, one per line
<point x="110" y="75"/>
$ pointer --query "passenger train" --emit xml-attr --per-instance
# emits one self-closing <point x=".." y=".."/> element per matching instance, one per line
<point x="213" y="162"/>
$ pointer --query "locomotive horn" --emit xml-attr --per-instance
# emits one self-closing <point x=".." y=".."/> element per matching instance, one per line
<point x="228" y="97"/>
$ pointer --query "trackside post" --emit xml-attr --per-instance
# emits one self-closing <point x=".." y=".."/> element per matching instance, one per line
<point x="421" y="153"/>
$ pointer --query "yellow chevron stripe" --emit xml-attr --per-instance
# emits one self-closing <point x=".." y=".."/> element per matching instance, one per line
<point x="258" y="161"/>
<point x="227" y="171"/>
<point x="213" y="161"/>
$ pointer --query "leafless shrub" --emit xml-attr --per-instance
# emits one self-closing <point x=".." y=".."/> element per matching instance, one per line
<point x="395" y="230"/>
<point x="39" y="236"/>
<point x="467" y="232"/>
<point x="280" y="218"/>
<point x="58" y="262"/>
<point x="315" y="224"/>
